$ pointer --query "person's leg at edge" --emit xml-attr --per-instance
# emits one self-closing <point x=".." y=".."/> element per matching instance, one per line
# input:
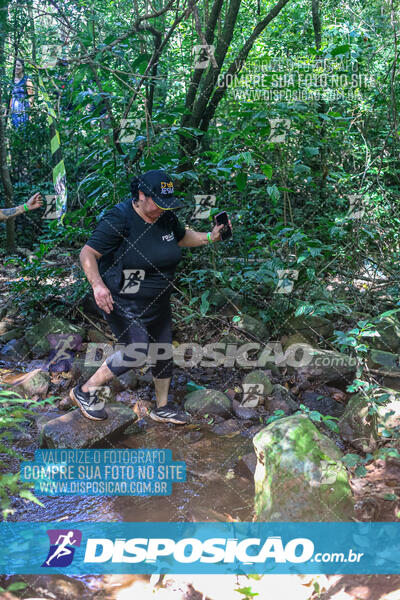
<point x="126" y="330"/>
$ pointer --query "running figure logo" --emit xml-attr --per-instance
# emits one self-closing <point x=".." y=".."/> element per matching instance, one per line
<point x="62" y="542"/>
<point x="132" y="279"/>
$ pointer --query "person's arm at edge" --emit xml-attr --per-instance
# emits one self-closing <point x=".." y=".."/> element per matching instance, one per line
<point x="8" y="213"/>
<point x="34" y="202"/>
<point x="89" y="258"/>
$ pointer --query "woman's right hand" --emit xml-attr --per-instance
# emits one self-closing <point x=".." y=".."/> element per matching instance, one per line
<point x="103" y="297"/>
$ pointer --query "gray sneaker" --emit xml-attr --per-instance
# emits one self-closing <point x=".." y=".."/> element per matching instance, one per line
<point x="169" y="414"/>
<point x="89" y="404"/>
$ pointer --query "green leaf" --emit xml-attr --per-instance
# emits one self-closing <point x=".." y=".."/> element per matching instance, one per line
<point x="388" y="313"/>
<point x="340" y="50"/>
<point x="315" y="415"/>
<point x="360" y="471"/>
<point x="204" y="303"/>
<point x="247" y="592"/>
<point x="27" y="494"/>
<point x="390" y="497"/>
<point x="191" y="386"/>
<point x="267" y="170"/>
<point x="351" y="460"/>
<point x="17" y="585"/>
<point x="331" y="425"/>
<point x="241" y="179"/>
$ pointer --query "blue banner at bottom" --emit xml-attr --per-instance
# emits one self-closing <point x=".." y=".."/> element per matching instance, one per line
<point x="208" y="548"/>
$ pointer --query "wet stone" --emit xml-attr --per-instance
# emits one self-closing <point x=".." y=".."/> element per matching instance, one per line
<point x="73" y="430"/>
<point x="323" y="404"/>
<point x="244" y="412"/>
<point x="247" y="465"/>
<point x="227" y="427"/>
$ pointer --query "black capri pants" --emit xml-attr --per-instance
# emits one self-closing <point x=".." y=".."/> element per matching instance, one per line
<point x="143" y="329"/>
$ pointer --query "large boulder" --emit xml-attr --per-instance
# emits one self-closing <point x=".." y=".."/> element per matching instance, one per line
<point x="251" y="325"/>
<point x="389" y="416"/>
<point x="358" y="427"/>
<point x="327" y="366"/>
<point x="37" y="336"/>
<point x="34" y="383"/>
<point x="312" y="327"/>
<point x="224" y="297"/>
<point x="392" y="383"/>
<point x="295" y="338"/>
<point x="11" y="334"/>
<point x="228" y="338"/>
<point x="84" y="366"/>
<point x="245" y="412"/>
<point x="6" y="325"/>
<point x="15" y="350"/>
<point x="211" y="402"/>
<point x="389" y="334"/>
<point x="299" y="474"/>
<point x="73" y="430"/>
<point x="96" y="336"/>
<point x="384" y="361"/>
<point x="325" y="404"/>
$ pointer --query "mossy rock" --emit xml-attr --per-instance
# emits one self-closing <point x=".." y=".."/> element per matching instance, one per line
<point x="299" y="474"/>
<point x="11" y="334"/>
<point x="384" y="361"/>
<point x="310" y="326"/>
<point x="356" y="426"/>
<point x="212" y="402"/>
<point x="389" y="334"/>
<point x="296" y="338"/>
<point x="328" y="366"/>
<point x="36" y="336"/>
<point x="251" y="325"/>
<point x="261" y="380"/>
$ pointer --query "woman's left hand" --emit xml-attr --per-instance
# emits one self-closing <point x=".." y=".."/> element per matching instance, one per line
<point x="215" y="234"/>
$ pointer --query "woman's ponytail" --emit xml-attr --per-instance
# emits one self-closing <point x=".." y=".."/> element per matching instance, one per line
<point x="135" y="188"/>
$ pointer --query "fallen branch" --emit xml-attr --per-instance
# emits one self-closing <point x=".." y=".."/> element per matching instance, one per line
<point x="94" y="324"/>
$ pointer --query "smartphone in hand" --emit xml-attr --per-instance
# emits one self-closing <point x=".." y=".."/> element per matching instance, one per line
<point x="222" y="218"/>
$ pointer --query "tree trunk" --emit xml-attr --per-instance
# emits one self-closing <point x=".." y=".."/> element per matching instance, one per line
<point x="5" y="172"/>
<point x="321" y="165"/>
<point x="204" y="93"/>
<point x="316" y="24"/>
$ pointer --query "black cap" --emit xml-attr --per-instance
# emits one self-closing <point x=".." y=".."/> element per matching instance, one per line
<point x="158" y="184"/>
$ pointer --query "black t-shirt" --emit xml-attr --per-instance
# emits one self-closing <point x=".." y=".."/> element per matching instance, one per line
<point x="150" y="255"/>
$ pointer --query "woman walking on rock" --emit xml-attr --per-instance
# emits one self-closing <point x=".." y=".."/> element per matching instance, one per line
<point x="137" y="247"/>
